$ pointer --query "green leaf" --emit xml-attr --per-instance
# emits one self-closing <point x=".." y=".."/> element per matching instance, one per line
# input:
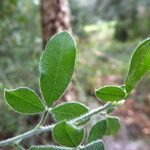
<point x="96" y="145"/>
<point x="69" y="111"/>
<point x="113" y="125"/>
<point x="57" y="66"/>
<point x="110" y="110"/>
<point x="98" y="131"/>
<point x="140" y="64"/>
<point x="24" y="100"/>
<point x="67" y="135"/>
<point x="49" y="147"/>
<point x="110" y="93"/>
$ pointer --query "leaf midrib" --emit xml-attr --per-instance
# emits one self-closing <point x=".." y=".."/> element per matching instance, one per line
<point x="57" y="67"/>
<point x="119" y="96"/>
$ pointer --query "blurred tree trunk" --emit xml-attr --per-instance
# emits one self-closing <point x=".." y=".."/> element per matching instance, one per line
<point x="55" y="17"/>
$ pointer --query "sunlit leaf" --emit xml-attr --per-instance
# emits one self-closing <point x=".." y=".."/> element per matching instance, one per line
<point x="113" y="125"/>
<point x="110" y="93"/>
<point x="49" y="147"/>
<point x="56" y="66"/>
<point x="67" y="135"/>
<point x="98" y="130"/>
<point x="24" y="100"/>
<point x="68" y="111"/>
<point x="96" y="145"/>
<point x="140" y="64"/>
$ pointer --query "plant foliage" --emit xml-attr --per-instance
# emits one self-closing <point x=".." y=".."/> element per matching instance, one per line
<point x="56" y="69"/>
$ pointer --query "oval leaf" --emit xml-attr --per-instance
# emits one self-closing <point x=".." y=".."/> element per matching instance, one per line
<point x="113" y="125"/>
<point x="56" y="66"/>
<point x="49" y="147"/>
<point x="24" y="100"/>
<point x="67" y="135"/>
<point x="69" y="111"/>
<point x="140" y="64"/>
<point x="98" y="131"/>
<point x="110" y="93"/>
<point x="96" y="145"/>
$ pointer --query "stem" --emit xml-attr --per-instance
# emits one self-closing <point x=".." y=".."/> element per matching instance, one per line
<point x="40" y="130"/>
<point x="43" y="119"/>
<point x="91" y="113"/>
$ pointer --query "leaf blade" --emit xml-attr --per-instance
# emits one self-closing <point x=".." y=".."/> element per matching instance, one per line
<point x="49" y="147"/>
<point x="56" y="66"/>
<point x="110" y="93"/>
<point x="98" y="131"/>
<point x="140" y="64"/>
<point x="67" y="135"/>
<point x="24" y="100"/>
<point x="69" y="111"/>
<point x="96" y="145"/>
<point x="113" y="125"/>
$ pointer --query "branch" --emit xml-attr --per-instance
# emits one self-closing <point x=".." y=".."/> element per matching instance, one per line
<point x="40" y="130"/>
<point x="43" y="119"/>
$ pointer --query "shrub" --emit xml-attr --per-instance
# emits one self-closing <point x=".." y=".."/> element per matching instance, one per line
<point x="56" y="69"/>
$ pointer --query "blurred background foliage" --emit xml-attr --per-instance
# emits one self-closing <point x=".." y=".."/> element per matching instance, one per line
<point x="107" y="33"/>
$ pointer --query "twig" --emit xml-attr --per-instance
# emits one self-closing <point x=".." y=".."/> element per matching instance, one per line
<point x="39" y="130"/>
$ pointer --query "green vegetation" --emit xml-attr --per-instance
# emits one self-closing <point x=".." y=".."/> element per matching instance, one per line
<point x="55" y="75"/>
<point x="102" y="58"/>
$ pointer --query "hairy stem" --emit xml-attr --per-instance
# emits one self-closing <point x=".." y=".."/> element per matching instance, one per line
<point x="39" y="130"/>
<point x="43" y="119"/>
